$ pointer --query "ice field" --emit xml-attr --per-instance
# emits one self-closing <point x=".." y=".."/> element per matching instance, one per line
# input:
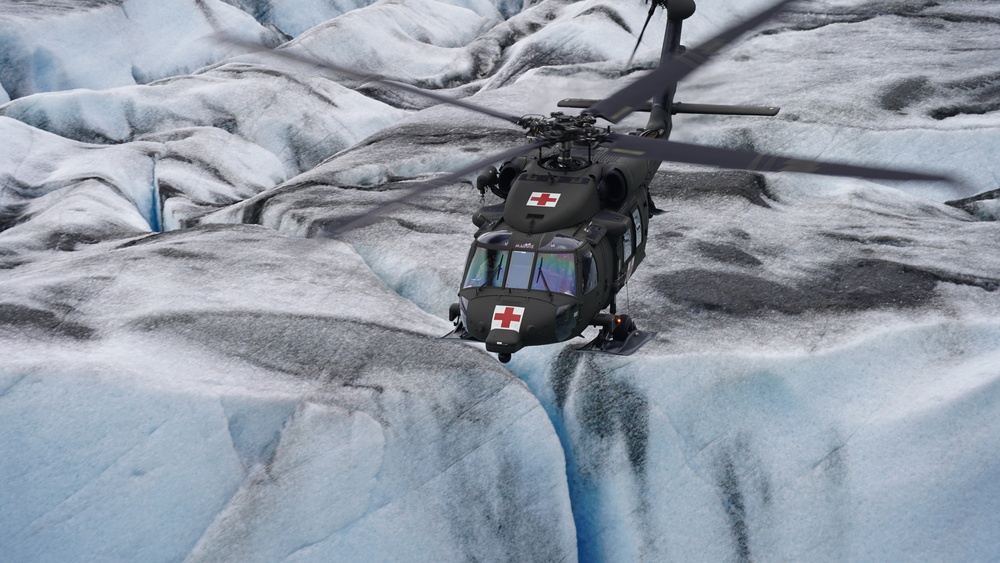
<point x="192" y="370"/>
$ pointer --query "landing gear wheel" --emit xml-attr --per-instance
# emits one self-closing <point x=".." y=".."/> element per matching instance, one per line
<point x="504" y="358"/>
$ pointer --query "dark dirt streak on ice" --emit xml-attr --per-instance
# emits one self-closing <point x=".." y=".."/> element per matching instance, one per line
<point x="732" y="502"/>
<point x="12" y="215"/>
<point x="20" y="317"/>
<point x="807" y="20"/>
<point x="981" y="93"/>
<point x="849" y="286"/>
<point x="608" y="13"/>
<point x="611" y="406"/>
<point x="62" y="302"/>
<point x="977" y="95"/>
<point x="207" y="13"/>
<point x="905" y="92"/>
<point x="739" y="483"/>
<point x="607" y="409"/>
<point x="560" y="379"/>
<point x="259" y="345"/>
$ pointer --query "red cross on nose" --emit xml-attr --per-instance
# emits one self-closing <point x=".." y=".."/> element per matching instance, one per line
<point x="543" y="199"/>
<point x="506" y="317"/>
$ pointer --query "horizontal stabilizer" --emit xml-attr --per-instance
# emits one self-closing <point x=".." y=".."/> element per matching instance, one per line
<point x="714" y="109"/>
<point x="706" y="109"/>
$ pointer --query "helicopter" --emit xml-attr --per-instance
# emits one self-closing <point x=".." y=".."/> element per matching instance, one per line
<point x="573" y="227"/>
<point x="574" y="224"/>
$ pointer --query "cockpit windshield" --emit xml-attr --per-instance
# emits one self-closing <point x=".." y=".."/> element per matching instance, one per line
<point x="553" y="272"/>
<point x="487" y="268"/>
<point x="520" y="269"/>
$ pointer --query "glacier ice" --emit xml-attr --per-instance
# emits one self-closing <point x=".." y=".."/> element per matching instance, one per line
<point x="192" y="371"/>
<point x="55" y="46"/>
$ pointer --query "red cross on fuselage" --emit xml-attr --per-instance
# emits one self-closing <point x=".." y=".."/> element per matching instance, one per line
<point x="542" y="200"/>
<point x="506" y="317"/>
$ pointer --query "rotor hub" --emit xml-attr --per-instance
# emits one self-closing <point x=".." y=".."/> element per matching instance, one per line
<point x="562" y="129"/>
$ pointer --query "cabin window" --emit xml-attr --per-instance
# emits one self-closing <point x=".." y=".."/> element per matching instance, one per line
<point x="637" y="219"/>
<point x="555" y="273"/>
<point x="487" y="268"/>
<point x="627" y="243"/>
<point x="589" y="272"/>
<point x="519" y="273"/>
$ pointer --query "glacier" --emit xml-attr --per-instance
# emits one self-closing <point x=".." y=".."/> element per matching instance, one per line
<point x="193" y="370"/>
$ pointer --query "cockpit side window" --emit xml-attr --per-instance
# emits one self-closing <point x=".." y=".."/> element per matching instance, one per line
<point x="487" y="268"/>
<point x="589" y="271"/>
<point x="555" y="273"/>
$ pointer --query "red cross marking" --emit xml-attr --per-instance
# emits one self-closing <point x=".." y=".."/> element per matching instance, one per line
<point x="506" y="317"/>
<point x="543" y="199"/>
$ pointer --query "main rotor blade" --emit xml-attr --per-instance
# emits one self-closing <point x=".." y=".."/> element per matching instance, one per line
<point x="615" y="107"/>
<point x="671" y="151"/>
<point x="300" y="58"/>
<point x="369" y="218"/>
<point x="681" y="107"/>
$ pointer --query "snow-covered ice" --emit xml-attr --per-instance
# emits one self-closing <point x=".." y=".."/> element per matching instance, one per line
<point x="60" y="45"/>
<point x="191" y="371"/>
<point x="244" y="421"/>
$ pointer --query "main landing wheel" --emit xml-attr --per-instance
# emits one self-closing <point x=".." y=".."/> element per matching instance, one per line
<point x="504" y="358"/>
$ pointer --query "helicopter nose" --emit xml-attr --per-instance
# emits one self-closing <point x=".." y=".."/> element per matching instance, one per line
<point x="510" y="322"/>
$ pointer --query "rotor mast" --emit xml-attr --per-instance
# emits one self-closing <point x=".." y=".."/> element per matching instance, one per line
<point x="660" y="122"/>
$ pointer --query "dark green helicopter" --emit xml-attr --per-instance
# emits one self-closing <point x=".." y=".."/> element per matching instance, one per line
<point x="574" y="224"/>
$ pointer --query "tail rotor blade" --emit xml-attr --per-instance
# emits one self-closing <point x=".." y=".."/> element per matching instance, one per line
<point x="671" y="151"/>
<point x="617" y="106"/>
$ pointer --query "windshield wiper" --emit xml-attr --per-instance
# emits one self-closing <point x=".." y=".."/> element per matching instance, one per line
<point x="491" y="273"/>
<point x="541" y="276"/>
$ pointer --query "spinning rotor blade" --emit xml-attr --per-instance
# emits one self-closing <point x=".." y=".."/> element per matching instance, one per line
<point x="296" y="57"/>
<point x="369" y="217"/>
<point x="671" y="151"/>
<point x="615" y="107"/>
<point x="681" y="107"/>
